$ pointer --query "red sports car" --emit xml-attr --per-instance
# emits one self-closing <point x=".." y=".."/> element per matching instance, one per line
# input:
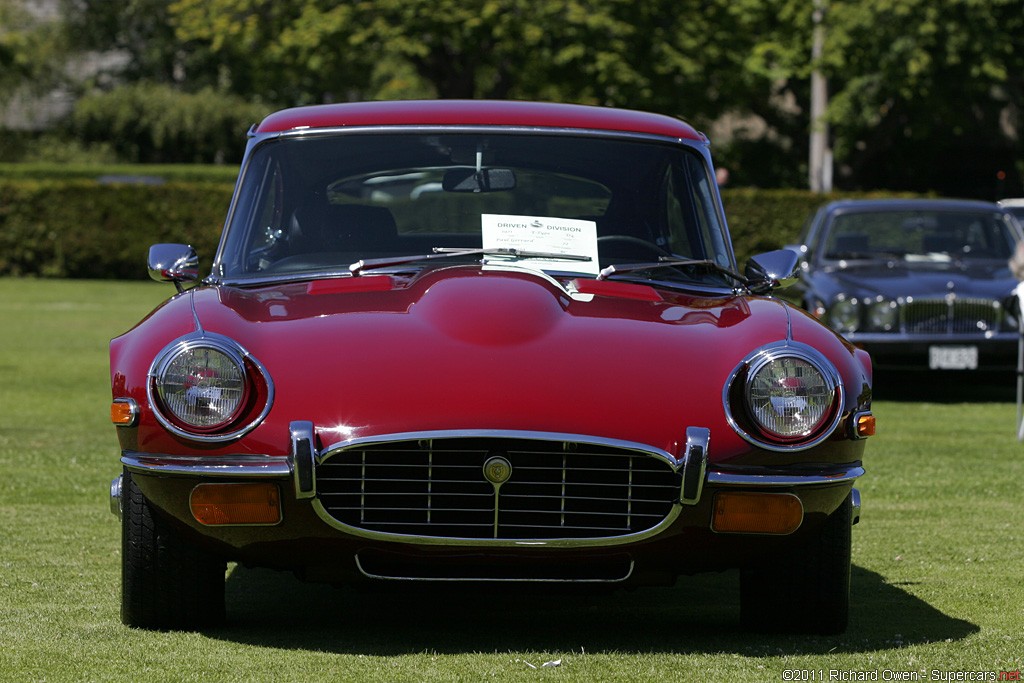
<point x="484" y="342"/>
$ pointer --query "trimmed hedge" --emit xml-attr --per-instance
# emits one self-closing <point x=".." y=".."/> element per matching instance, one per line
<point x="85" y="229"/>
<point x="77" y="227"/>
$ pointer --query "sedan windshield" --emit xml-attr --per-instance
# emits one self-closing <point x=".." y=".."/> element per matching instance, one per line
<point x="919" y="235"/>
<point x="568" y="205"/>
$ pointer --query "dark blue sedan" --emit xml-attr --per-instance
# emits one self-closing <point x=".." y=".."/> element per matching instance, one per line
<point x="921" y="284"/>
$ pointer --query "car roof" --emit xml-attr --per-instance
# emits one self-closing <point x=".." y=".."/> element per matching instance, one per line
<point x="909" y="204"/>
<point x="476" y="113"/>
<point x="1012" y="201"/>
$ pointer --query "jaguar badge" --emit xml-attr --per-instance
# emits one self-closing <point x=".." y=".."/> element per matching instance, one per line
<point x="497" y="470"/>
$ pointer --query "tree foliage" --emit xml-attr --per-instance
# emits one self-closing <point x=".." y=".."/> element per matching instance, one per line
<point x="30" y="50"/>
<point x="653" y="53"/>
<point x="925" y="94"/>
<point x="156" y="123"/>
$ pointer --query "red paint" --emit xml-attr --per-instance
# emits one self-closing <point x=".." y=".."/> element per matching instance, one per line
<point x="476" y="113"/>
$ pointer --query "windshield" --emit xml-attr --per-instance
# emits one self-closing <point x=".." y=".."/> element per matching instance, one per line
<point x="320" y="204"/>
<point x="915" y="235"/>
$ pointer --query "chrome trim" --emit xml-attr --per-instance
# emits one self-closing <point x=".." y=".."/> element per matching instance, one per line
<point x="303" y="458"/>
<point x="501" y="542"/>
<point x="855" y="504"/>
<point x="772" y="270"/>
<point x="673" y="514"/>
<point x="228" y="346"/>
<point x="854" y="420"/>
<point x="839" y="476"/>
<point x="382" y="577"/>
<point x="485" y="128"/>
<point x="674" y="462"/>
<point x="695" y="461"/>
<point x="133" y="408"/>
<point x="175" y="263"/>
<point x="255" y="466"/>
<point x="771" y="352"/>
<point x="116" y="506"/>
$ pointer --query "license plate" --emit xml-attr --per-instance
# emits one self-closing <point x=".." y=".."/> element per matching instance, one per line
<point x="953" y="357"/>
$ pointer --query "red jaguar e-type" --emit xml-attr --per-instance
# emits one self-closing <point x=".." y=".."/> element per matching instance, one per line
<point x="484" y="341"/>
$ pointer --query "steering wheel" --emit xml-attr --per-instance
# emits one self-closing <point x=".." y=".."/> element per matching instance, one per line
<point x="630" y="245"/>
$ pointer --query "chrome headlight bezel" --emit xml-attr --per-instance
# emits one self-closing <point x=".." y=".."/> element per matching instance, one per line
<point x="255" y="394"/>
<point x="742" y="416"/>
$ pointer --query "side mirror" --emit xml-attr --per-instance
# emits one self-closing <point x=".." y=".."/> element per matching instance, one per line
<point x="771" y="270"/>
<point x="175" y="263"/>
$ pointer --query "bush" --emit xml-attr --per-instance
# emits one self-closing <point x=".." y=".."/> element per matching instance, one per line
<point x="148" y="123"/>
<point x="84" y="222"/>
<point x="84" y="229"/>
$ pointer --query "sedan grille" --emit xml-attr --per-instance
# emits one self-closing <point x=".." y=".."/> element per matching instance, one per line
<point x="952" y="316"/>
<point x="531" y="489"/>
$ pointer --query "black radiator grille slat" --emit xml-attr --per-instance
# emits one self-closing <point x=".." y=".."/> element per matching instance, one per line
<point x="438" y="489"/>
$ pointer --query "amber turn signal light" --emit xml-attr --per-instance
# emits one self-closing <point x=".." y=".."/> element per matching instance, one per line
<point x="229" y="504"/>
<point x="744" y="512"/>
<point x="123" y="412"/>
<point x="865" y="425"/>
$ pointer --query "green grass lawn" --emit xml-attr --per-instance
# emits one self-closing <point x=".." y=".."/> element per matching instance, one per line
<point x="938" y="576"/>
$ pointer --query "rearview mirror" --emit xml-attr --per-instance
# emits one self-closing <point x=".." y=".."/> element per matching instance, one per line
<point x="483" y="180"/>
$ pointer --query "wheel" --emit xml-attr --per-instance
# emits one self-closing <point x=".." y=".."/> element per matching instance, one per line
<point x="808" y="589"/>
<point x="166" y="583"/>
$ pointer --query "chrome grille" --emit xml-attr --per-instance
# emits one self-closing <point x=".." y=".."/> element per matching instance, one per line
<point x="951" y="316"/>
<point x="437" y="488"/>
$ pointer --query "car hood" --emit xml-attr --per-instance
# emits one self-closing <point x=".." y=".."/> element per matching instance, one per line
<point x="469" y="348"/>
<point x="986" y="279"/>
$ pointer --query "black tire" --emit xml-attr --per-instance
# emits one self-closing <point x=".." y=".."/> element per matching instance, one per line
<point x="808" y="589"/>
<point x="166" y="583"/>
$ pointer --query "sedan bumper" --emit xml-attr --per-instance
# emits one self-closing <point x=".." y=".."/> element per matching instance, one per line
<point x="993" y="353"/>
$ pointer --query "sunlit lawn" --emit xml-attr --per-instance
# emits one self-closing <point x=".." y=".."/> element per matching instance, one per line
<point x="938" y="578"/>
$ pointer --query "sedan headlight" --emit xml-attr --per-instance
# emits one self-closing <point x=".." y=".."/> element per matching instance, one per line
<point x="883" y="316"/>
<point x="206" y="386"/>
<point x="784" y="397"/>
<point x="844" y="315"/>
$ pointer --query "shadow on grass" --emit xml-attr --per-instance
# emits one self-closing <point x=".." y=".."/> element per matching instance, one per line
<point x="698" y="615"/>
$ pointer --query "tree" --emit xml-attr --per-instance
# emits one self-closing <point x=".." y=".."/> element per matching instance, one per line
<point x="925" y="94"/>
<point x="649" y="53"/>
<point x="938" y="83"/>
<point x="30" y="52"/>
<point x="141" y="32"/>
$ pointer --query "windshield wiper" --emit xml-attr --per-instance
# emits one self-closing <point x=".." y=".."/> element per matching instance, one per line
<point x="454" y="252"/>
<point x="622" y="268"/>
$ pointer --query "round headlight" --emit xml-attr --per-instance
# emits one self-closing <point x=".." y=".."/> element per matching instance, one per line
<point x="785" y="396"/>
<point x="788" y="397"/>
<point x="844" y="315"/>
<point x="204" y="385"/>
<point x="883" y="316"/>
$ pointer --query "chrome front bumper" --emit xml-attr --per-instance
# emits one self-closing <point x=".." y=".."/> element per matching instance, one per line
<point x="300" y="465"/>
